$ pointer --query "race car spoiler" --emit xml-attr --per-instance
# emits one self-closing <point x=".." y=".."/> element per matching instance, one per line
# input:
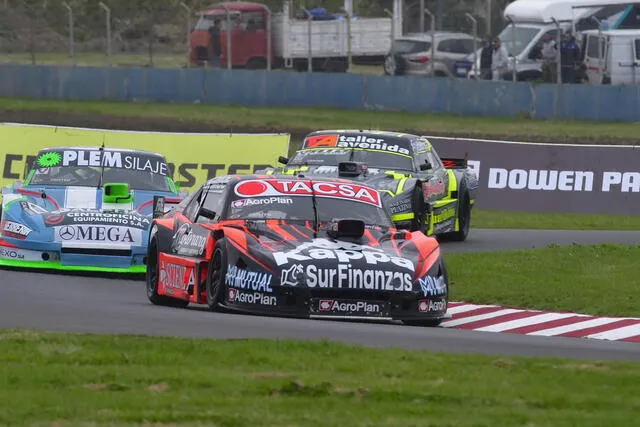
<point x="453" y="163"/>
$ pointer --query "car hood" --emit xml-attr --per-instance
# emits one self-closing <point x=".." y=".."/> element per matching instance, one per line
<point x="289" y="249"/>
<point x="54" y="198"/>
<point x="76" y="216"/>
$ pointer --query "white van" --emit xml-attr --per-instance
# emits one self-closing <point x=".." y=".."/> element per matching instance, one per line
<point x="530" y="20"/>
<point x="620" y="60"/>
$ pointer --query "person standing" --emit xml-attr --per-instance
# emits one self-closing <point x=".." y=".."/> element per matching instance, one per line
<point x="486" y="55"/>
<point x="216" y="47"/>
<point x="569" y="58"/>
<point x="549" y="59"/>
<point x="499" y="59"/>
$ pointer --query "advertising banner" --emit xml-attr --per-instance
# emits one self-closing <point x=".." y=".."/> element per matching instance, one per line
<point x="536" y="177"/>
<point x="193" y="157"/>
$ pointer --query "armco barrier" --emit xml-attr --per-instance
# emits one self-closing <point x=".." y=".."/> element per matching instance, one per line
<point x="533" y="177"/>
<point x="350" y="91"/>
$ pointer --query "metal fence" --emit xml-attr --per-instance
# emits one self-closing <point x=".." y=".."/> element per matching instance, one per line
<point x="95" y="33"/>
<point x="156" y="33"/>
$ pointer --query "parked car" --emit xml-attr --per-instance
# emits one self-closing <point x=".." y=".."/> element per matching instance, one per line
<point x="413" y="54"/>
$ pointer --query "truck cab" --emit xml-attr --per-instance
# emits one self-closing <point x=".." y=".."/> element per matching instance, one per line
<point x="245" y="23"/>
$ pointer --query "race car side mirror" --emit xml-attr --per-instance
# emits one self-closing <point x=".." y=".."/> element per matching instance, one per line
<point x="158" y="206"/>
<point x="351" y="228"/>
<point x="283" y="160"/>
<point x="117" y="193"/>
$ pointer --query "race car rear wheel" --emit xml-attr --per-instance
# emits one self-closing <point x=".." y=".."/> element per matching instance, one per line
<point x="464" y="217"/>
<point x="418" y="223"/>
<point x="152" y="278"/>
<point x="217" y="273"/>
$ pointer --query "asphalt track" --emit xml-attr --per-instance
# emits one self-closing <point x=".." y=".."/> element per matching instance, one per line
<point x="78" y="303"/>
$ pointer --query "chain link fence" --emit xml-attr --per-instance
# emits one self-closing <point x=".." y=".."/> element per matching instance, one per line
<point x="156" y="33"/>
<point x="96" y="33"/>
<point x="458" y="16"/>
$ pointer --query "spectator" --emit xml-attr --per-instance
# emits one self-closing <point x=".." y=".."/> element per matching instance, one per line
<point x="499" y="59"/>
<point x="485" y="60"/>
<point x="569" y="58"/>
<point x="216" y="49"/>
<point x="549" y="59"/>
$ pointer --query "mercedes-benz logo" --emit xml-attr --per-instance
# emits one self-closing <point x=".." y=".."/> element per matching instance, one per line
<point x="67" y="233"/>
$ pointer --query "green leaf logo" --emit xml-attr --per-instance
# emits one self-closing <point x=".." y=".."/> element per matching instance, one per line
<point x="48" y="160"/>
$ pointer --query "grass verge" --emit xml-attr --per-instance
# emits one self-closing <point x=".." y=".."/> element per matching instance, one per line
<point x="306" y="119"/>
<point x="553" y="221"/>
<point x="63" y="379"/>
<point x="590" y="279"/>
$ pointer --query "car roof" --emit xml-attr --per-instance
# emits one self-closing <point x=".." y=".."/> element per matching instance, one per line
<point x="383" y="133"/>
<point x="94" y="148"/>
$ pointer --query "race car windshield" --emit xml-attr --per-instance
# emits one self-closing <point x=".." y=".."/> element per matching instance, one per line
<point x="84" y="176"/>
<point x="331" y="157"/>
<point x="300" y="208"/>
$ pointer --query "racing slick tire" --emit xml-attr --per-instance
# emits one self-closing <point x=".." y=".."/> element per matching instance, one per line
<point x="215" y="285"/>
<point x="464" y="216"/>
<point x="152" y="278"/>
<point x="418" y="223"/>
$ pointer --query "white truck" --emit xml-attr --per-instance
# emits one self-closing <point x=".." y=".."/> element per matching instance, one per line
<point x="612" y="57"/>
<point x="530" y="20"/>
<point x="260" y="38"/>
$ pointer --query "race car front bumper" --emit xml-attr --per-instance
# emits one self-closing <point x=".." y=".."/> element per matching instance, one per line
<point x="53" y="256"/>
<point x="331" y="303"/>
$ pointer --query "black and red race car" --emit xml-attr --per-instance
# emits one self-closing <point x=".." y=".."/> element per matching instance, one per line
<point x="293" y="246"/>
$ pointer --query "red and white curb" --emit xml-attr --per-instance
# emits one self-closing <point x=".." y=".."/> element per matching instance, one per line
<point x="493" y="318"/>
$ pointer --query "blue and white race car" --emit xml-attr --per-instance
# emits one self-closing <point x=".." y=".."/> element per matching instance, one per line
<point x="85" y="208"/>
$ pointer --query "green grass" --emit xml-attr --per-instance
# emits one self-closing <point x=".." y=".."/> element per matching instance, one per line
<point x="599" y="280"/>
<point x="553" y="221"/>
<point x="99" y="59"/>
<point x="304" y="119"/>
<point x="64" y="380"/>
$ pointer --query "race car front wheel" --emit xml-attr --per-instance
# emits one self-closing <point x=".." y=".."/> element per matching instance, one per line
<point x="419" y="211"/>
<point x="153" y="276"/>
<point x="217" y="273"/>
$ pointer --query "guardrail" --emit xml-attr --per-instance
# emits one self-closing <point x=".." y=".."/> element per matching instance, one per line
<point x="349" y="91"/>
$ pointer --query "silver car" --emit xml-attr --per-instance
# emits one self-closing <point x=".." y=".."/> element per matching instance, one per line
<point x="411" y="54"/>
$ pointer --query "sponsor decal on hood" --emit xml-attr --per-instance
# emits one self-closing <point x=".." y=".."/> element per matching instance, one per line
<point x="335" y="264"/>
<point x="96" y="217"/>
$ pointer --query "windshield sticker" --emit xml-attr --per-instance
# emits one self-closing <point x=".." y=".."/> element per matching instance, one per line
<point x="47" y="160"/>
<point x="320" y="141"/>
<point x="273" y="187"/>
<point x="262" y="202"/>
<point x="110" y="159"/>
<point x="359" y="142"/>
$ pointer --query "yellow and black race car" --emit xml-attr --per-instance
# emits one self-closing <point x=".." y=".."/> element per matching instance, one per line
<point x="421" y="190"/>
